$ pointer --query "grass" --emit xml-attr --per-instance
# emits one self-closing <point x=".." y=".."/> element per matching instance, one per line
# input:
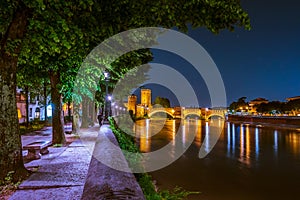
<point x="9" y="185"/>
<point x="150" y="191"/>
<point x="33" y="126"/>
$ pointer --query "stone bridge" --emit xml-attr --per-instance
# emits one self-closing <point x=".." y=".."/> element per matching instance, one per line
<point x="169" y="111"/>
<point x="182" y="112"/>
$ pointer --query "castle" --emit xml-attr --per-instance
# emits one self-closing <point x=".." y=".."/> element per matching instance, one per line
<point x="142" y="109"/>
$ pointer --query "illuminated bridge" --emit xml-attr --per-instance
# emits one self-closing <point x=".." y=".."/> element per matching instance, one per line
<point x="181" y="112"/>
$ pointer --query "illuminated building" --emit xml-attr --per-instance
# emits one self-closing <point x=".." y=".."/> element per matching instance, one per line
<point x="132" y="99"/>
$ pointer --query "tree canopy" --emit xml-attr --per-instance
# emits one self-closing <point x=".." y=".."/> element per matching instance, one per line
<point x="161" y="101"/>
<point x="238" y="104"/>
<point x="54" y="36"/>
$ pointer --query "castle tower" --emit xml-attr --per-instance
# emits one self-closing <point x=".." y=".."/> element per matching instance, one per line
<point x="132" y="99"/>
<point x="146" y="97"/>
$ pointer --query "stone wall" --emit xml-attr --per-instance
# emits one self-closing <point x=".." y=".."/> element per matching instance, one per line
<point x="266" y="119"/>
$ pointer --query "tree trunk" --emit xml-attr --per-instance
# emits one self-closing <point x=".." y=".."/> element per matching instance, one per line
<point x="10" y="140"/>
<point x="75" y="124"/>
<point x="45" y="100"/>
<point x="69" y="109"/>
<point x="27" y="105"/>
<point x="92" y="112"/>
<point x="58" y="135"/>
<point x="85" y="117"/>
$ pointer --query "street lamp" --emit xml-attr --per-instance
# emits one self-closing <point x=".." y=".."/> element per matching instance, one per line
<point x="107" y="99"/>
<point x="109" y="105"/>
<point x="37" y="113"/>
<point x="116" y="110"/>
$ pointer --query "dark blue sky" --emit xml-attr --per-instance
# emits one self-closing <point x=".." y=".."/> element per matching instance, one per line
<point x="262" y="62"/>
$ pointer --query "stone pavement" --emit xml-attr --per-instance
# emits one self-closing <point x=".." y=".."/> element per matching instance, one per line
<point x="72" y="173"/>
<point x="104" y="181"/>
<point x="61" y="174"/>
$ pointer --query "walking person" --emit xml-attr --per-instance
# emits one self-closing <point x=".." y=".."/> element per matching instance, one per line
<point x="100" y="117"/>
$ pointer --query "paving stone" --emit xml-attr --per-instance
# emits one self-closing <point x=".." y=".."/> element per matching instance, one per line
<point x="63" y="173"/>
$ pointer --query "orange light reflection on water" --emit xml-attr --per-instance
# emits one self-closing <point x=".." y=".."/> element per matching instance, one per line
<point x="293" y="140"/>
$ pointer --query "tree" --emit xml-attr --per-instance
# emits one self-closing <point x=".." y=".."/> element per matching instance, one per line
<point x="273" y="107"/>
<point x="12" y="34"/>
<point x="237" y="105"/>
<point x="50" y="33"/>
<point x="292" y="106"/>
<point x="164" y="102"/>
<point x="19" y="19"/>
<point x="32" y="84"/>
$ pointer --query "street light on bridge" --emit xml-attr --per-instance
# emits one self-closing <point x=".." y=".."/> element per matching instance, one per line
<point x="206" y="110"/>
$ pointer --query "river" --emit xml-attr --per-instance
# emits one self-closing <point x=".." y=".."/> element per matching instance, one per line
<point x="248" y="162"/>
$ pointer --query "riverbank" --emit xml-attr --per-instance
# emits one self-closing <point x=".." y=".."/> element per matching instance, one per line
<point x="279" y="122"/>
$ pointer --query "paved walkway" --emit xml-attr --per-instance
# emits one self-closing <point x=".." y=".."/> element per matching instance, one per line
<point x="104" y="181"/>
<point x="72" y="173"/>
<point x="61" y="174"/>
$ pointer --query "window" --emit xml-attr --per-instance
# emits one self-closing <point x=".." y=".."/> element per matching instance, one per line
<point x="30" y="112"/>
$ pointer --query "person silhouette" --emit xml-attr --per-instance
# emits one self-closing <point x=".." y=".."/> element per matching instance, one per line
<point x="100" y="116"/>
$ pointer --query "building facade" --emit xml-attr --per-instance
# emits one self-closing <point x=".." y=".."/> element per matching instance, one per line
<point x="146" y="97"/>
<point x="255" y="102"/>
<point x="131" y="105"/>
<point x="35" y="109"/>
<point x="141" y="109"/>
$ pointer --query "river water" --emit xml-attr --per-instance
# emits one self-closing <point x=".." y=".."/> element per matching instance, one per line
<point x="247" y="162"/>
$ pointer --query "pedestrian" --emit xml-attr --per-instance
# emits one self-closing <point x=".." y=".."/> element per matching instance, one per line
<point x="99" y="119"/>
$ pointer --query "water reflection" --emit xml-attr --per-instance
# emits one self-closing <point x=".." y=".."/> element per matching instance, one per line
<point x="143" y="132"/>
<point x="173" y="132"/>
<point x="248" y="150"/>
<point x="245" y="150"/>
<point x="198" y="133"/>
<point x="247" y="143"/>
<point x="233" y="139"/>
<point x="228" y="139"/>
<point x="185" y="126"/>
<point x="206" y="136"/>
<point x="247" y="161"/>
<point x="241" y="143"/>
<point x="293" y="142"/>
<point x="256" y="143"/>
<point x="275" y="141"/>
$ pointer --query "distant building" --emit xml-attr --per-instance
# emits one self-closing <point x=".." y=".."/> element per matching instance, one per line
<point x="295" y="111"/>
<point x="35" y="110"/>
<point x="141" y="109"/>
<point x="21" y="106"/>
<point x="131" y="105"/>
<point x="146" y="97"/>
<point x="293" y="98"/>
<point x="255" y="102"/>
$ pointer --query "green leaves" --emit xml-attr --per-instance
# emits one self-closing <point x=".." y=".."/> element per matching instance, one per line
<point x="61" y="33"/>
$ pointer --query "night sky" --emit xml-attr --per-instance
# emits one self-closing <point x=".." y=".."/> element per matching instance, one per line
<point x="262" y="62"/>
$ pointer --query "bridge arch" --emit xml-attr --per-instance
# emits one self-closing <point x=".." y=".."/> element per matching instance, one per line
<point x="216" y="114"/>
<point x="161" y="111"/>
<point x="192" y="113"/>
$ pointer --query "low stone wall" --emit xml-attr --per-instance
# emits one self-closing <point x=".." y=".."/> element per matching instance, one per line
<point x="266" y="119"/>
<point x="104" y="182"/>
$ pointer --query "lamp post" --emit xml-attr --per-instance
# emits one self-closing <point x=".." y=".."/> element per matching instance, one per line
<point x="116" y="110"/>
<point x="109" y="105"/>
<point x="106" y="108"/>
<point x="206" y="110"/>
